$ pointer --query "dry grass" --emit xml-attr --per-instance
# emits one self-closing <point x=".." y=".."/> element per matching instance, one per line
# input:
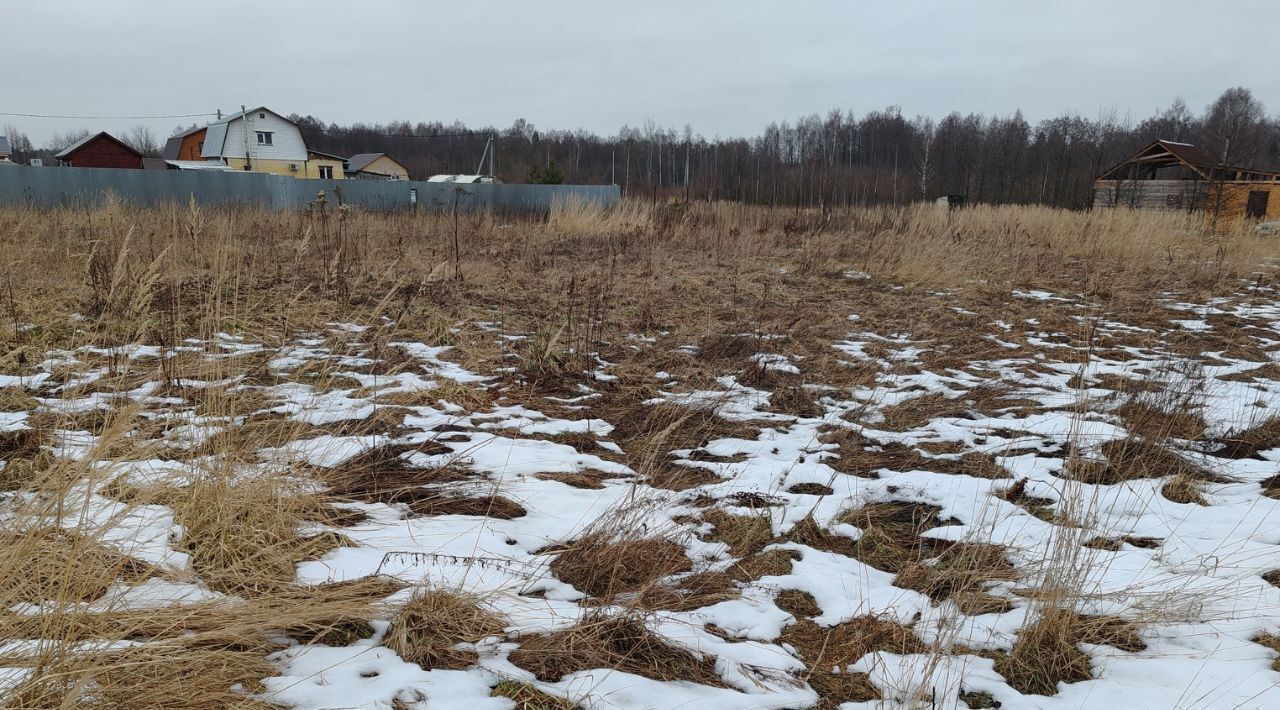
<point x="829" y="650"/>
<point x="70" y="567"/>
<point x="605" y="565"/>
<point x="732" y="280"/>
<point x="244" y="535"/>
<point x="615" y="642"/>
<point x="1247" y="443"/>
<point x="430" y="626"/>
<point x="891" y="532"/>
<point x="1047" y="652"/>
<point x="145" y="678"/>
<point x="744" y="534"/>
<point x="961" y="573"/>
<point x="527" y="697"/>
<point x="1271" y="641"/>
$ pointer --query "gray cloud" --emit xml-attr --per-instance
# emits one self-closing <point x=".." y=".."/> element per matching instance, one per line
<point x="726" y="68"/>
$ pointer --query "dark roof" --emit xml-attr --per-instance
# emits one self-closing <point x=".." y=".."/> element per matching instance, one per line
<point x="1164" y="154"/>
<point x="173" y="146"/>
<point x="69" y="150"/>
<point x="154" y="164"/>
<point x="1189" y="154"/>
<point x="357" y="162"/>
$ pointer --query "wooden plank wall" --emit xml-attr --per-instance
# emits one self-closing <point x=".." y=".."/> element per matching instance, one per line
<point x="1172" y="195"/>
<point x="1235" y="197"/>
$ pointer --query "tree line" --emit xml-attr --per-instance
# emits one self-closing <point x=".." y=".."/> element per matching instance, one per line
<point x="881" y="157"/>
<point x="837" y="159"/>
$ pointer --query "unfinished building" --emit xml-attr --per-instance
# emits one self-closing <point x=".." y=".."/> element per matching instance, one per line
<point x="1178" y="176"/>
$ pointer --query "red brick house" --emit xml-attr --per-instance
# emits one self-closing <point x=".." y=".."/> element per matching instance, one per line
<point x="100" y="151"/>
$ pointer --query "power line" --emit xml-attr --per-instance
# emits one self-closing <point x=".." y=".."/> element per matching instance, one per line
<point x="350" y="133"/>
<point x="107" y="118"/>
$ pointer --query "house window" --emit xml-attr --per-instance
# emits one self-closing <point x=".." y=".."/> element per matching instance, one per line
<point x="262" y="115"/>
<point x="326" y="172"/>
<point x="200" y="147"/>
<point x="264" y="137"/>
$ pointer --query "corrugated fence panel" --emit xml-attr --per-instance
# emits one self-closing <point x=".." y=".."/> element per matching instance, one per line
<point x="55" y="186"/>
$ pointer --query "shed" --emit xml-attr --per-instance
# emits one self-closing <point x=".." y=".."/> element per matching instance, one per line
<point x="6" y="150"/>
<point x="1169" y="175"/>
<point x="101" y="150"/>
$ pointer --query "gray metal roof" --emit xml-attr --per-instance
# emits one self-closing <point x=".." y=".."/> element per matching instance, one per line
<point x="76" y="146"/>
<point x="174" y="145"/>
<point x="214" y="140"/>
<point x="357" y="162"/>
<point x="5" y="148"/>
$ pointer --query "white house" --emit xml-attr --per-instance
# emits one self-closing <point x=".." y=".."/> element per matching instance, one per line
<point x="259" y="140"/>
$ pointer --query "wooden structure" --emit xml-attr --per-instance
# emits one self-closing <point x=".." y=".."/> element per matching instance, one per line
<point x="102" y="150"/>
<point x="1167" y="175"/>
<point x="185" y="145"/>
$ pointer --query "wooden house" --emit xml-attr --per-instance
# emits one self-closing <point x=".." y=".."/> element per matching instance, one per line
<point x="101" y="150"/>
<point x="375" y="166"/>
<point x="186" y="145"/>
<point x="1166" y="175"/>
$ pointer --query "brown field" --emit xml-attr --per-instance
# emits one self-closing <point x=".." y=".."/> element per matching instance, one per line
<point x="257" y="326"/>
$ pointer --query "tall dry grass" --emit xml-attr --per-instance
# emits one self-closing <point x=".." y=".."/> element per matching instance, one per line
<point x="116" y="276"/>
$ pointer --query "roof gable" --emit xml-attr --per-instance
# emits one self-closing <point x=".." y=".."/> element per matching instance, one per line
<point x="71" y="149"/>
<point x="360" y="161"/>
<point x="1163" y="154"/>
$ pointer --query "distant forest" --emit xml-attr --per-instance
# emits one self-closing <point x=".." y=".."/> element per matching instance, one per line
<point x="839" y="159"/>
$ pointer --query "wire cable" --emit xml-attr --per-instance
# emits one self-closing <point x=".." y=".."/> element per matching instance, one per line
<point x="107" y="118"/>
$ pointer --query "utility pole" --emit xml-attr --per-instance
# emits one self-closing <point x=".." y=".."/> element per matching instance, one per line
<point x="492" y="152"/>
<point x="244" y="116"/>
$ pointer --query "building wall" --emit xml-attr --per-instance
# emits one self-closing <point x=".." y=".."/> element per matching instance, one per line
<point x="286" y="140"/>
<point x="104" y="153"/>
<point x="288" y="168"/>
<point x="313" y="168"/>
<point x="1234" y="200"/>
<point x="386" y="166"/>
<point x="191" y="146"/>
<point x="1224" y="204"/>
<point x="1164" y="195"/>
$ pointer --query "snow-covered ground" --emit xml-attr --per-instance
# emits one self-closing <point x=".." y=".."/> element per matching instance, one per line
<point x="1196" y="592"/>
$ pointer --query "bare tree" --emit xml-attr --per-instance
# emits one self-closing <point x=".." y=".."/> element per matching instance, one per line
<point x="1235" y="127"/>
<point x="926" y="155"/>
<point x="144" y="141"/>
<point x="19" y="144"/>
<point x="62" y="141"/>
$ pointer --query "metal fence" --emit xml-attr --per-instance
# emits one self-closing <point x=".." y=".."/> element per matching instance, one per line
<point x="88" y="187"/>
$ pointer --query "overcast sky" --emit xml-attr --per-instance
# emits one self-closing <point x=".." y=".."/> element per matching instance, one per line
<point x="726" y="68"/>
